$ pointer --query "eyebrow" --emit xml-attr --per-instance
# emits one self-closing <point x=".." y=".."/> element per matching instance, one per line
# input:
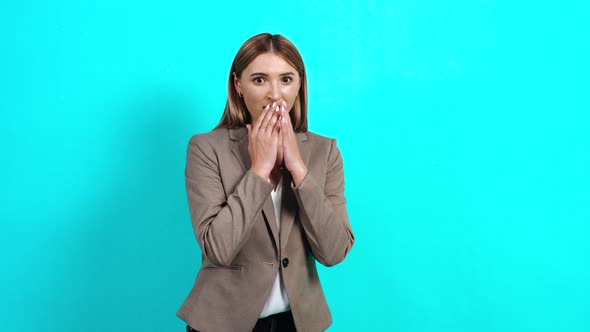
<point x="264" y="74"/>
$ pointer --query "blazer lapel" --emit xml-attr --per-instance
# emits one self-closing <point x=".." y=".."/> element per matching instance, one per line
<point x="240" y="150"/>
<point x="239" y="137"/>
<point x="288" y="210"/>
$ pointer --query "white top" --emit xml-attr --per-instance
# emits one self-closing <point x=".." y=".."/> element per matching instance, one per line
<point x="277" y="300"/>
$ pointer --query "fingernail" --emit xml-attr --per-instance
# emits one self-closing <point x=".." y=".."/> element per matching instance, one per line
<point x="274" y="104"/>
<point x="284" y="103"/>
<point x="283" y="108"/>
<point x="277" y="109"/>
<point x="266" y="107"/>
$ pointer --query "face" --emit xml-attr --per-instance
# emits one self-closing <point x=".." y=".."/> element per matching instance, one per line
<point x="267" y="79"/>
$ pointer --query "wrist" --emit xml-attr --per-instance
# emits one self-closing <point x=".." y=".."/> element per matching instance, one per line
<point x="298" y="175"/>
<point x="261" y="171"/>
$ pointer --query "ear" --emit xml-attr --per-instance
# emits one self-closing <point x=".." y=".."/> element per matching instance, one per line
<point x="237" y="84"/>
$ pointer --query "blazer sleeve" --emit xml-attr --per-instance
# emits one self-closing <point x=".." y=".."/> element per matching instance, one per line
<point x="221" y="224"/>
<point x="323" y="212"/>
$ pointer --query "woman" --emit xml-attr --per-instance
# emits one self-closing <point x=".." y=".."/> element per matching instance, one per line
<point x="266" y="198"/>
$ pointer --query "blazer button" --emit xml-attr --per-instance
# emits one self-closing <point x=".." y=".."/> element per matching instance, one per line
<point x="285" y="262"/>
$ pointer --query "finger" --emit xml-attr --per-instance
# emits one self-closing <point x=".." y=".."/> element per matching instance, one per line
<point x="284" y="129"/>
<point x="280" y="131"/>
<point x="286" y="118"/>
<point x="268" y="116"/>
<point x="260" y="119"/>
<point x="281" y="151"/>
<point x="263" y="117"/>
<point x="275" y="134"/>
<point x="273" y="124"/>
<point x="277" y="125"/>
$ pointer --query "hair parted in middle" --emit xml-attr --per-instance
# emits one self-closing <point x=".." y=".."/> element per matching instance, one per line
<point x="236" y="114"/>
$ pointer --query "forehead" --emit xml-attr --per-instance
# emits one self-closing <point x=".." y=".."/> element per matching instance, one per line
<point x="269" y="63"/>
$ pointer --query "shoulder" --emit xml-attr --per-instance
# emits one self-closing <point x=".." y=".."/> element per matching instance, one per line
<point x="317" y="138"/>
<point x="319" y="142"/>
<point x="215" y="136"/>
<point x="210" y="143"/>
<point x="215" y="140"/>
<point x="322" y="147"/>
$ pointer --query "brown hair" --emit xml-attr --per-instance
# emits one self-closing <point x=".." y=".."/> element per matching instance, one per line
<point x="236" y="114"/>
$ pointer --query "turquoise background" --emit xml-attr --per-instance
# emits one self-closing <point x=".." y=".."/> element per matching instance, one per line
<point x="463" y="125"/>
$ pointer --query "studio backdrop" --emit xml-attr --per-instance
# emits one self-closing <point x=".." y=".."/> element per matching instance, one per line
<point x="463" y="127"/>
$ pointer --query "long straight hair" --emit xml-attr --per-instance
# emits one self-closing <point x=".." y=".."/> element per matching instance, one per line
<point x="236" y="113"/>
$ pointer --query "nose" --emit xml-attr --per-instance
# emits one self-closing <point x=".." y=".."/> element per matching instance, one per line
<point x="274" y="94"/>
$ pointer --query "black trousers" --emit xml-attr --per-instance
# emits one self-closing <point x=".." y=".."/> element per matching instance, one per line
<point x="282" y="322"/>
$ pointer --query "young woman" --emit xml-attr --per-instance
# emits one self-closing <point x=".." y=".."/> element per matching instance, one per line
<point x="266" y="199"/>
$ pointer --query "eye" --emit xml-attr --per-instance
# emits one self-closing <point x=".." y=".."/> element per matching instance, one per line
<point x="258" y="80"/>
<point x="287" y="79"/>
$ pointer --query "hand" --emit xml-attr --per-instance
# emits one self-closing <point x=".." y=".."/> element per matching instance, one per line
<point x="263" y="141"/>
<point x="291" y="155"/>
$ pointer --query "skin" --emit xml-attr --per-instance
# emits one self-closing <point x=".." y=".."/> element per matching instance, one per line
<point x="269" y="86"/>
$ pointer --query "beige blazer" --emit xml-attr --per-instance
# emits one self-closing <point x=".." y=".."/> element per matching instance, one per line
<point x="234" y="221"/>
